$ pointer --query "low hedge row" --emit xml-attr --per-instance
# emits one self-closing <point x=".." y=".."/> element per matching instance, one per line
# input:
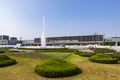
<point x="116" y="55"/>
<point x="6" y="61"/>
<point x="2" y="51"/>
<point x="7" y="50"/>
<point x="56" y="50"/>
<point x="104" y="50"/>
<point x="86" y="54"/>
<point x="56" y="68"/>
<point x="11" y="51"/>
<point x="4" y="57"/>
<point x="77" y="52"/>
<point x="103" y="58"/>
<point x="50" y="49"/>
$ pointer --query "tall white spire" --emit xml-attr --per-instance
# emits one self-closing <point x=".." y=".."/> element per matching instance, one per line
<point x="43" y="27"/>
<point x="43" y="37"/>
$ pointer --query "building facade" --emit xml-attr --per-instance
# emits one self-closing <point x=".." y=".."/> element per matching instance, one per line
<point x="72" y="40"/>
<point x="114" y="40"/>
<point x="13" y="41"/>
<point x="28" y="43"/>
<point x="4" y="39"/>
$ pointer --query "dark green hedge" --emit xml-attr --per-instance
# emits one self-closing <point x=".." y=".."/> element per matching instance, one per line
<point x="104" y="50"/>
<point x="56" y="50"/>
<point x="7" y="50"/>
<point x="51" y="49"/>
<point x="86" y="54"/>
<point x="11" y="51"/>
<point x="116" y="55"/>
<point x="108" y="43"/>
<point x="2" y="51"/>
<point x="77" y="52"/>
<point x="103" y="58"/>
<point x="4" y="57"/>
<point x="6" y="61"/>
<point x="56" y="68"/>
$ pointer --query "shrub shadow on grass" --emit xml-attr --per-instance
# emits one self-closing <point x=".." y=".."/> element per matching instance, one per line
<point x="79" y="71"/>
<point x="11" y="64"/>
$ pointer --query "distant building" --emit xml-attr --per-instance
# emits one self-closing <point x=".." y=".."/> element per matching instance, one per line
<point x="72" y="40"/>
<point x="37" y="40"/>
<point x="116" y="40"/>
<point x="4" y="42"/>
<point x="28" y="43"/>
<point x="112" y="39"/>
<point x="13" y="41"/>
<point x="4" y="39"/>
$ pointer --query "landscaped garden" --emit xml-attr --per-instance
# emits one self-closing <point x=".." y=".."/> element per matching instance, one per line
<point x="6" y="61"/>
<point x="80" y="66"/>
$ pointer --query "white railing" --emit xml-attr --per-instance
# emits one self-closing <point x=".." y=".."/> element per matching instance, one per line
<point x="8" y="46"/>
<point x="67" y="46"/>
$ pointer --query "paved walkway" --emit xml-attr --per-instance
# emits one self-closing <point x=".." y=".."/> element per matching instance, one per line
<point x="23" y="50"/>
<point x="86" y="50"/>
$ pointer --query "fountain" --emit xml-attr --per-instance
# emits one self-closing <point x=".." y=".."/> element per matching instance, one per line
<point x="43" y="37"/>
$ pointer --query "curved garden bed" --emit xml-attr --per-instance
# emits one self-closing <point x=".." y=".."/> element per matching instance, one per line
<point x="57" y="68"/>
<point x="6" y="61"/>
<point x="103" y="58"/>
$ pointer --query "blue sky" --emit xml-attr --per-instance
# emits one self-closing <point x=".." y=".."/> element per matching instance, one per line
<point x="23" y="18"/>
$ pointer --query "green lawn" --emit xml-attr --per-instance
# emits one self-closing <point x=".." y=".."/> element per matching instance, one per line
<point x="59" y="55"/>
<point x="24" y="69"/>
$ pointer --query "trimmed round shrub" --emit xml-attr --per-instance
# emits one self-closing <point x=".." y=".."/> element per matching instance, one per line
<point x="86" y="54"/>
<point x="103" y="58"/>
<point x="6" y="61"/>
<point x="56" y="68"/>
